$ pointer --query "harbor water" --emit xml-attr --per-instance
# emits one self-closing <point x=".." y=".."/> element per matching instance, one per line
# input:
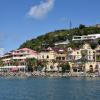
<point x="49" y="88"/>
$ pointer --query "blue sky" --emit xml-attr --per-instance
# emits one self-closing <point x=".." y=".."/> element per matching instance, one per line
<point x="21" y="20"/>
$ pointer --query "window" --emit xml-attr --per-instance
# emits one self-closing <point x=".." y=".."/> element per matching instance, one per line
<point x="43" y="56"/>
<point x="77" y="52"/>
<point x="59" y="58"/>
<point x="93" y="57"/>
<point x="47" y="56"/>
<point x="63" y="58"/>
<point x="89" y="57"/>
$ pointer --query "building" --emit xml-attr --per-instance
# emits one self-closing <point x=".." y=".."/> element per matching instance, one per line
<point x="97" y="58"/>
<point x="54" y="56"/>
<point x="48" y="55"/>
<point x="70" y="56"/>
<point x="97" y="53"/>
<point x="60" y="55"/>
<point x="62" y="43"/>
<point x="97" y="26"/>
<point x="20" y="56"/>
<point x="78" y="57"/>
<point x="86" y="37"/>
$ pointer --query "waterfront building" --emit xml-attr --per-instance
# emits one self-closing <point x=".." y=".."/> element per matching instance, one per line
<point x="97" y="58"/>
<point x="20" y="56"/>
<point x="97" y="53"/>
<point x="78" y="57"/>
<point x="93" y="62"/>
<point x="60" y="54"/>
<point x="49" y="55"/>
<point x="54" y="56"/>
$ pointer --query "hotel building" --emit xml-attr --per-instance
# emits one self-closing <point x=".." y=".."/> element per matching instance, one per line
<point x="19" y="55"/>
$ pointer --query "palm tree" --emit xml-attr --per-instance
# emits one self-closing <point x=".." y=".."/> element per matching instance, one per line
<point x="40" y="65"/>
<point x="15" y="62"/>
<point x="45" y="63"/>
<point x="31" y="63"/>
<point x="1" y="63"/>
<point x="59" y="65"/>
<point x="53" y="61"/>
<point x="67" y="67"/>
<point x="84" y="59"/>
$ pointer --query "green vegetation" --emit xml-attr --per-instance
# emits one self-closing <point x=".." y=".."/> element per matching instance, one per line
<point x="83" y="59"/>
<point x="93" y="45"/>
<point x="31" y="64"/>
<point x="1" y="63"/>
<point x="14" y="62"/>
<point x="98" y="58"/>
<point x="65" y="66"/>
<point x="60" y="35"/>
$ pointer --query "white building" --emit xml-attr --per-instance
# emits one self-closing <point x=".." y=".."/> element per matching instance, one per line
<point x="62" y="43"/>
<point x="86" y="37"/>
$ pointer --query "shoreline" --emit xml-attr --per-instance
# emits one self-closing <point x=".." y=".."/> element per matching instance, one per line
<point x="43" y="74"/>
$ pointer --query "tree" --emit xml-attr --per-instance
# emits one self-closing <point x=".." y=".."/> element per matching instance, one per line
<point x="45" y="62"/>
<point x="1" y="63"/>
<point x="83" y="59"/>
<point x="39" y="65"/>
<point x="54" y="62"/>
<point x="65" y="67"/>
<point x="42" y="64"/>
<point x="31" y="63"/>
<point x="93" y="45"/>
<point x="99" y="41"/>
<point x="14" y="62"/>
<point x="81" y="26"/>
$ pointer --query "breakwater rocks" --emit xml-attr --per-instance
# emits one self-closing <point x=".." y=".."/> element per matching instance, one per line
<point x="44" y="74"/>
<point x="14" y="74"/>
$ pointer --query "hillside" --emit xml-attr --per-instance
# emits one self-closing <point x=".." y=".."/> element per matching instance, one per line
<point x="59" y="35"/>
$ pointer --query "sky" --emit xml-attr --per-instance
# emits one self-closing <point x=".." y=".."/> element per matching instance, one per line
<point x="22" y="20"/>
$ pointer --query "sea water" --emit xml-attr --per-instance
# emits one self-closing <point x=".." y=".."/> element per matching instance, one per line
<point x="49" y="88"/>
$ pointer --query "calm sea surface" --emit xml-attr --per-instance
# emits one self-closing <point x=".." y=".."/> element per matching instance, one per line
<point x="50" y="89"/>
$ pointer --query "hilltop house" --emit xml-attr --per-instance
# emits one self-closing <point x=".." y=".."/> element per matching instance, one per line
<point x="86" y="37"/>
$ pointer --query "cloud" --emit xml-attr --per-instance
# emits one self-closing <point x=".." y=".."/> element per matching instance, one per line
<point x="41" y="10"/>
